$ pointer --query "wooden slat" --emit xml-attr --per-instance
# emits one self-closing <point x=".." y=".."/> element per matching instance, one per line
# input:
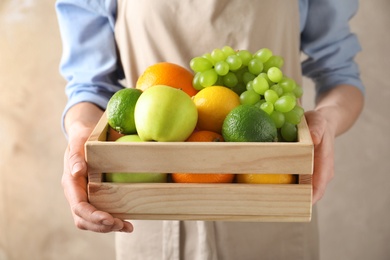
<point x="202" y="157"/>
<point x="199" y="157"/>
<point x="287" y="202"/>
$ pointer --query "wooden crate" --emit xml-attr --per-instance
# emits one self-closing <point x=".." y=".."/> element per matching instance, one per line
<point x="225" y="202"/>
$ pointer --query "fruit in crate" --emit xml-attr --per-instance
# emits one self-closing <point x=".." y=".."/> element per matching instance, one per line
<point x="258" y="79"/>
<point x="213" y="104"/>
<point x="121" y="177"/>
<point x="165" y="114"/>
<point x="120" y="110"/>
<point x="203" y="136"/>
<point x="166" y="73"/>
<point x="247" y="123"/>
<point x="267" y="178"/>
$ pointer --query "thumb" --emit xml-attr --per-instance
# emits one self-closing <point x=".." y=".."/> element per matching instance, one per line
<point x="76" y="160"/>
<point x="78" y="168"/>
<point x="316" y="126"/>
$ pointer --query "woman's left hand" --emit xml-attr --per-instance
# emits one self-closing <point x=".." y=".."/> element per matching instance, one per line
<point x="323" y="139"/>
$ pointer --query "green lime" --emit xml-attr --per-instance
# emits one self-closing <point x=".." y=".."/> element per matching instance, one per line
<point x="120" y="110"/>
<point x="248" y="123"/>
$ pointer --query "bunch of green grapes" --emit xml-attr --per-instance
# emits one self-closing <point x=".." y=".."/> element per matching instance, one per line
<point x="258" y="79"/>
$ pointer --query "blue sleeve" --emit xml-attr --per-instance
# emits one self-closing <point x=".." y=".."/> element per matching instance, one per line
<point x="89" y="58"/>
<point x="330" y="45"/>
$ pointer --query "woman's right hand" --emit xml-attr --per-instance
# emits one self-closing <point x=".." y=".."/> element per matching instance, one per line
<point x="75" y="178"/>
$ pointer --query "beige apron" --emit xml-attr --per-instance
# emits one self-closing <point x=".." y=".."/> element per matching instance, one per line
<point x="151" y="31"/>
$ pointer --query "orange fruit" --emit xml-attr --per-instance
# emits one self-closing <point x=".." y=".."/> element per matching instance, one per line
<point x="170" y="74"/>
<point x="203" y="136"/>
<point x="213" y="104"/>
<point x="267" y="178"/>
<point x="112" y="134"/>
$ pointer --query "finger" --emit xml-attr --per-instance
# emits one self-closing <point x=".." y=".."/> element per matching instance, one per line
<point x="75" y="159"/>
<point x="316" y="126"/>
<point x="76" y="194"/>
<point x="89" y="213"/>
<point x="117" y="225"/>
<point x="75" y="189"/>
<point x="323" y="169"/>
<point x="74" y="182"/>
<point x="87" y="216"/>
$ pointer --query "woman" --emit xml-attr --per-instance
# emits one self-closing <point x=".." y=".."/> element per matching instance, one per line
<point x="107" y="40"/>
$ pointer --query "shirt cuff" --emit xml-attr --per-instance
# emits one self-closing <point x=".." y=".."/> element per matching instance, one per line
<point x="94" y="98"/>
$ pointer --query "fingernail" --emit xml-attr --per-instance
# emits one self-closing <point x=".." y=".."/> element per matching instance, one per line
<point x="127" y="228"/>
<point x="315" y="137"/>
<point x="117" y="227"/>
<point x="76" y="168"/>
<point x="106" y="222"/>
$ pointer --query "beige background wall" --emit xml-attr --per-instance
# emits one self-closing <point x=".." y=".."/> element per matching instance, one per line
<point x="35" y="222"/>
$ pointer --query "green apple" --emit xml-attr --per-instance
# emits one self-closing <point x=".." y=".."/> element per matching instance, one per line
<point x="134" y="177"/>
<point x="165" y="114"/>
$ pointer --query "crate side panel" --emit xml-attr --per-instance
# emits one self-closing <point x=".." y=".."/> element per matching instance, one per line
<point x="202" y="199"/>
<point x="200" y="157"/>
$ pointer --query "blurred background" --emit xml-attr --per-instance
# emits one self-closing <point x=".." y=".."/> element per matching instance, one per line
<point x="35" y="220"/>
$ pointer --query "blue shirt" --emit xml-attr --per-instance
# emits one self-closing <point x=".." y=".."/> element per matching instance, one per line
<point x="89" y="60"/>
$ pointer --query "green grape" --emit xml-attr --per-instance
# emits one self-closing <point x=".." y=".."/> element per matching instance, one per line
<point x="199" y="64"/>
<point x="263" y="54"/>
<point x="289" y="132"/>
<point x="285" y="104"/>
<point x="249" y="97"/>
<point x="299" y="110"/>
<point x="275" y="74"/>
<point x="249" y="85"/>
<point x="274" y="61"/>
<point x="221" y="67"/>
<point x="264" y="75"/>
<point x="240" y="73"/>
<point x="260" y="85"/>
<point x="294" y="116"/>
<point x="255" y="66"/>
<point x="259" y="103"/>
<point x="287" y="84"/>
<point x="278" y="89"/>
<point x="230" y="80"/>
<point x="278" y="118"/>
<point x="245" y="56"/>
<point x="298" y="91"/>
<point x="227" y="50"/>
<point x="271" y="96"/>
<point x="196" y="81"/>
<point x="234" y="62"/>
<point x="239" y="88"/>
<point x="247" y="77"/>
<point x="289" y="94"/>
<point x="218" y="55"/>
<point x="267" y="107"/>
<point x="208" y="78"/>
<point x="209" y="58"/>
<point x="219" y="81"/>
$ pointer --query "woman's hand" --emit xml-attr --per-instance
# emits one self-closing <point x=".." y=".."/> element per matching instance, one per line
<point x="335" y="113"/>
<point x="74" y="178"/>
<point x="323" y="139"/>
